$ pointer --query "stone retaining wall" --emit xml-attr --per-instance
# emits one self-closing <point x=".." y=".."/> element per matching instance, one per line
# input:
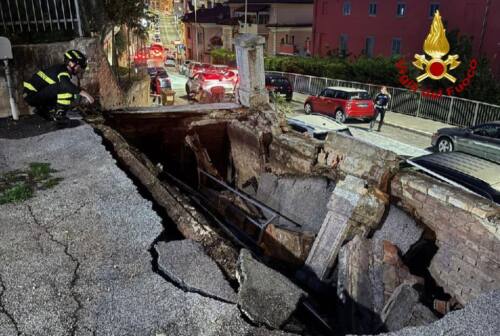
<point x="467" y="229"/>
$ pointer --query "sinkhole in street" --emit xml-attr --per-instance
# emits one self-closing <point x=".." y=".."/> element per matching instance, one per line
<point x="193" y="153"/>
<point x="163" y="142"/>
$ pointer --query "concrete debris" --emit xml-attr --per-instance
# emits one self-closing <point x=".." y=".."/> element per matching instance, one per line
<point x="400" y="229"/>
<point x="352" y="156"/>
<point x="265" y="296"/>
<point x="290" y="246"/>
<point x="478" y="318"/>
<point x="367" y="277"/>
<point x="352" y="209"/>
<point x="404" y="310"/>
<point x="301" y="199"/>
<point x="291" y="153"/>
<point x="185" y="263"/>
<point x="247" y="150"/>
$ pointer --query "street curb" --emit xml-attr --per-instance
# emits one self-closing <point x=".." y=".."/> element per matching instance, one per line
<point x="409" y="129"/>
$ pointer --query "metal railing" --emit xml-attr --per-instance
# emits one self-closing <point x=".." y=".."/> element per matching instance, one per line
<point x="28" y="16"/>
<point x="447" y="109"/>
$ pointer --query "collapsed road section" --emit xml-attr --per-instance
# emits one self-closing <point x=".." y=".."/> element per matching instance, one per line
<point x="75" y="257"/>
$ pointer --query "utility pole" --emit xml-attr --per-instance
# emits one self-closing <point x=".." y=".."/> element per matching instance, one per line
<point x="246" y="10"/>
<point x="196" y="30"/>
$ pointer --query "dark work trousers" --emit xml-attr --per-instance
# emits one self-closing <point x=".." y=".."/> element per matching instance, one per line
<point x="45" y="101"/>
<point x="380" y="111"/>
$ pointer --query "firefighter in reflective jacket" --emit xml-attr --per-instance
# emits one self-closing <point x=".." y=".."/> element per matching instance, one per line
<point x="51" y="90"/>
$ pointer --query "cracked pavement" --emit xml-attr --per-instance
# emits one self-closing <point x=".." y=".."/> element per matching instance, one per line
<point x="75" y="259"/>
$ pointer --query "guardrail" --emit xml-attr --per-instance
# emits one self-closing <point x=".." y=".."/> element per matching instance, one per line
<point x="26" y="16"/>
<point x="447" y="109"/>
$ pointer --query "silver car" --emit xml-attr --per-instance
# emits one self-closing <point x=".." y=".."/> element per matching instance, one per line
<point x="482" y="141"/>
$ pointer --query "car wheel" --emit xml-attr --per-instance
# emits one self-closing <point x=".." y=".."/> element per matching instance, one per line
<point x="308" y="108"/>
<point x="445" y="145"/>
<point x="340" y="116"/>
<point x="187" y="90"/>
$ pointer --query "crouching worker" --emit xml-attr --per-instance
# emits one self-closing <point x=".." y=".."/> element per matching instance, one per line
<point x="52" y="93"/>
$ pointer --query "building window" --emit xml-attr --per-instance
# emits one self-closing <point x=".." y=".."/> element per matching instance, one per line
<point x="346" y="8"/>
<point x="401" y="9"/>
<point x="200" y="38"/>
<point x="343" y="45"/>
<point x="372" y="9"/>
<point x="434" y="7"/>
<point x="189" y="32"/>
<point x="263" y="18"/>
<point x="369" y="45"/>
<point x="324" y="8"/>
<point x="396" y="46"/>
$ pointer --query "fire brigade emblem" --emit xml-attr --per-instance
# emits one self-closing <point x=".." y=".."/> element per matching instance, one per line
<point x="436" y="46"/>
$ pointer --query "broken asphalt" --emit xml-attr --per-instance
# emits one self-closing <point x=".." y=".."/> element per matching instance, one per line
<point x="75" y="259"/>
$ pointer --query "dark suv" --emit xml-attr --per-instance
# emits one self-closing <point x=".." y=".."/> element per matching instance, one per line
<point x="279" y="85"/>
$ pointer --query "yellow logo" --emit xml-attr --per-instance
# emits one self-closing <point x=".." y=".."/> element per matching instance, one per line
<point x="436" y="46"/>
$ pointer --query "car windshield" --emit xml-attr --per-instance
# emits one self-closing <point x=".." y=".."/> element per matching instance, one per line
<point x="280" y="81"/>
<point x="361" y="95"/>
<point x="161" y="72"/>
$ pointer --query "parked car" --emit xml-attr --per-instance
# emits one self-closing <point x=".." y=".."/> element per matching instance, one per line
<point x="463" y="170"/>
<point x="196" y="67"/>
<point x="156" y="50"/>
<point x="317" y="126"/>
<point x="217" y="67"/>
<point x="141" y="56"/>
<point x="277" y="84"/>
<point x="482" y="141"/>
<point x="342" y="103"/>
<point x="183" y="69"/>
<point x="160" y="71"/>
<point x="170" y="62"/>
<point x="205" y="81"/>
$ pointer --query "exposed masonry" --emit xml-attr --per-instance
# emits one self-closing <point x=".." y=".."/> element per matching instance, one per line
<point x="3" y="309"/>
<point x="74" y="278"/>
<point x="467" y="231"/>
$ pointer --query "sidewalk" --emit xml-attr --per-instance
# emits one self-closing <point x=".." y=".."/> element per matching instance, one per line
<point x="421" y="126"/>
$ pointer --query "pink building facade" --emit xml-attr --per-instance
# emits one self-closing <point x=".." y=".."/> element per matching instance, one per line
<point x="389" y="27"/>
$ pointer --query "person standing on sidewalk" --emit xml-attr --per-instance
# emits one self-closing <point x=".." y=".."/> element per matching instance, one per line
<point x="381" y="103"/>
<point x="155" y="89"/>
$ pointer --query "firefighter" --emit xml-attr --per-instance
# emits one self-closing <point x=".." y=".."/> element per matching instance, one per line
<point x="51" y="91"/>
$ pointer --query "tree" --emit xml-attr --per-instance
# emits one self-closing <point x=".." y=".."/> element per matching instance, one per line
<point x="123" y="13"/>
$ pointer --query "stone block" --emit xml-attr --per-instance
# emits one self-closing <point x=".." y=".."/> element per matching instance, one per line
<point x="302" y="199"/>
<point x="289" y="246"/>
<point x="400" y="229"/>
<point x="185" y="262"/>
<point x="362" y="159"/>
<point x="246" y="151"/>
<point x="404" y="310"/>
<point x="265" y="296"/>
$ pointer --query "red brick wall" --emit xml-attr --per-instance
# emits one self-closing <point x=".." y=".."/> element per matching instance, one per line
<point x="467" y="231"/>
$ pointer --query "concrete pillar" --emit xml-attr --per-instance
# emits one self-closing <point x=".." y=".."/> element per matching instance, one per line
<point x="250" y="60"/>
<point x="352" y="209"/>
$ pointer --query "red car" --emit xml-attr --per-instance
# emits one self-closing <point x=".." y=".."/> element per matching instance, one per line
<point x="342" y="103"/>
<point x="156" y="50"/>
<point x="141" y="56"/>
